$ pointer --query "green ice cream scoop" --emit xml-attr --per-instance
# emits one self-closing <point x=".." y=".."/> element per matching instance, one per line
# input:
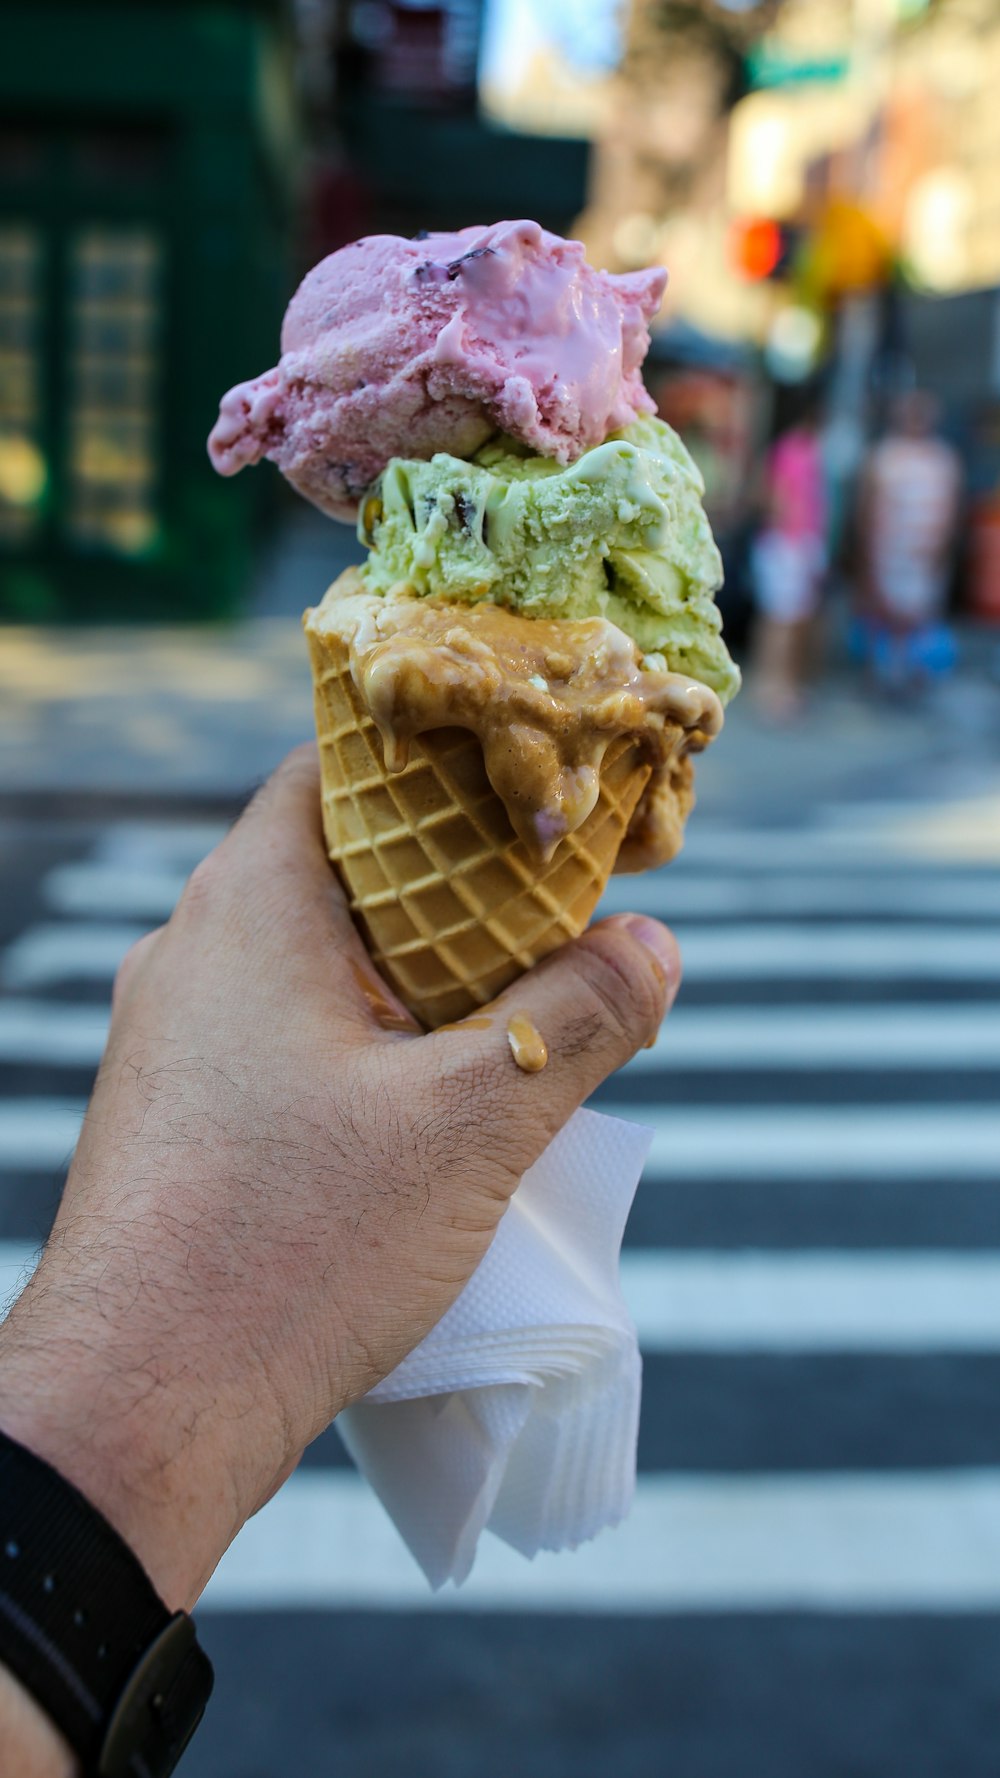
<point x="621" y="534"/>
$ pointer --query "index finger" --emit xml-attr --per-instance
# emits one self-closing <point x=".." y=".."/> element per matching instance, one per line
<point x="278" y="840"/>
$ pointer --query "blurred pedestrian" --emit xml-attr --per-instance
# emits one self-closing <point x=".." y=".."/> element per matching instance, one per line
<point x="910" y="500"/>
<point x="788" y="562"/>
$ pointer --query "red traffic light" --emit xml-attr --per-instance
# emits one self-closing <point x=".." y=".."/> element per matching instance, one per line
<point x="757" y="247"/>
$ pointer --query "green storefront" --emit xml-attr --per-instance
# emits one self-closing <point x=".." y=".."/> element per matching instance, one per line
<point x="146" y="163"/>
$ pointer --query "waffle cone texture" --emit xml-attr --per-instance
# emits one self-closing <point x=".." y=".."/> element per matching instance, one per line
<point x="451" y="905"/>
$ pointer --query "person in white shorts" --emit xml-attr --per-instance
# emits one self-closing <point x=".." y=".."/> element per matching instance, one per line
<point x="788" y="563"/>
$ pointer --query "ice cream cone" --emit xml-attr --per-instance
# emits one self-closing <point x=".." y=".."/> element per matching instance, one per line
<point x="451" y="905"/>
<point x="534" y="626"/>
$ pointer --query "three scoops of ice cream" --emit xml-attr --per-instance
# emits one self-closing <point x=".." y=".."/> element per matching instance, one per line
<point x="509" y="690"/>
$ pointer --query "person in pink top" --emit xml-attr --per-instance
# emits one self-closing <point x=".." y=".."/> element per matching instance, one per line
<point x="788" y="564"/>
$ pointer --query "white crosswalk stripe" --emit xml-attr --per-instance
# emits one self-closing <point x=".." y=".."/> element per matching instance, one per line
<point x="84" y="951"/>
<point x="134" y="890"/>
<point x="912" y="837"/>
<point x="802" y="1143"/>
<point x="928" y="1036"/>
<point x="730" y="952"/>
<point x="814" y="1302"/>
<point x="802" y="1302"/>
<point x="958" y="1142"/>
<point x="920" y="1542"/>
<point x="749" y="951"/>
<point x="745" y="895"/>
<point x="112" y="890"/>
<point x="17" y="1262"/>
<point x="63" y="1035"/>
<point x="39" y="1134"/>
<point x="157" y="846"/>
<point x="795" y="1038"/>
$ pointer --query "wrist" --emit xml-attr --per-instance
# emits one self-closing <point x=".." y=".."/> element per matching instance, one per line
<point x="110" y="1421"/>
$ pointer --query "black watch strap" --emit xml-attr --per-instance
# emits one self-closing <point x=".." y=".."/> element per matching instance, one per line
<point x="85" y="1632"/>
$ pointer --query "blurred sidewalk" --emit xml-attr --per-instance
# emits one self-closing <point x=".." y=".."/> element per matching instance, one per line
<point x="179" y="712"/>
<point x="200" y="715"/>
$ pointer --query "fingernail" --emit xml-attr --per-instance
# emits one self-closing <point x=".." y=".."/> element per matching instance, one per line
<point x="660" y="941"/>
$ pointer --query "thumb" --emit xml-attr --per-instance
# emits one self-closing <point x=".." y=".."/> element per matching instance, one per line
<point x="593" y="1003"/>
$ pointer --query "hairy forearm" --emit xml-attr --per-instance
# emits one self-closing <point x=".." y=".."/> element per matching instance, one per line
<point x="87" y="1396"/>
<point x="68" y="1392"/>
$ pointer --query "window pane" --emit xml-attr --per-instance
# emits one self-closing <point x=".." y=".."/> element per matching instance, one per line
<point x="115" y="310"/>
<point x="23" y="471"/>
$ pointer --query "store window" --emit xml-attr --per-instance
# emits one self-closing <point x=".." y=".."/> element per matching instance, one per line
<point x="115" y="332"/>
<point x="23" y="469"/>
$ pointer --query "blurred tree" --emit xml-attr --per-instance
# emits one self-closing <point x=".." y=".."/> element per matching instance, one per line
<point x="663" y="151"/>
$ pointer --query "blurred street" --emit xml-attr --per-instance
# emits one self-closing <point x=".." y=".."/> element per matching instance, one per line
<point x="813" y="1565"/>
<point x="808" y="1585"/>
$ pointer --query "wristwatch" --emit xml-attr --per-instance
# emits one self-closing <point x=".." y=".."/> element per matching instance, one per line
<point x="84" y="1630"/>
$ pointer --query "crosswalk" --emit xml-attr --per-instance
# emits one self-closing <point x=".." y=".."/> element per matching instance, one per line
<point x="925" y="1036"/>
<point x="820" y="1432"/>
<point x="753" y="1302"/>
<point x="755" y="1544"/>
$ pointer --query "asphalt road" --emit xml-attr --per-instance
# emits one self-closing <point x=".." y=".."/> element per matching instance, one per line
<point x="811" y="1580"/>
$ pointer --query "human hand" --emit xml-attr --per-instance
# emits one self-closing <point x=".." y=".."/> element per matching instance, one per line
<point x="281" y="1185"/>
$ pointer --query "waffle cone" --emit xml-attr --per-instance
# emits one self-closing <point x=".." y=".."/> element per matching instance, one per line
<point x="451" y="905"/>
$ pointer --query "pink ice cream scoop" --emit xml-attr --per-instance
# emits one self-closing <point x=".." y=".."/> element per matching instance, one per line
<point x="396" y="347"/>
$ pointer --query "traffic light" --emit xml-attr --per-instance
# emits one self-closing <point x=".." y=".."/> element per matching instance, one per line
<point x="762" y="248"/>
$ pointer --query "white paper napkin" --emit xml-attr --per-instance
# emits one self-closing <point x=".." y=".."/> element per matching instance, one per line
<point x="519" y="1412"/>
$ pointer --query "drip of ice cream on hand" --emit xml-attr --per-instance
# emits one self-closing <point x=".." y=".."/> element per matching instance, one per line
<point x="396" y="347"/>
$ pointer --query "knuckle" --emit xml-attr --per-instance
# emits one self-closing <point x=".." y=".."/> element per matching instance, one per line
<point x="251" y="804"/>
<point x="581" y="1032"/>
<point x="129" y="963"/>
<point x="204" y="886"/>
<point x="297" y="767"/>
<point x="302" y="759"/>
<point x="628" y="993"/>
